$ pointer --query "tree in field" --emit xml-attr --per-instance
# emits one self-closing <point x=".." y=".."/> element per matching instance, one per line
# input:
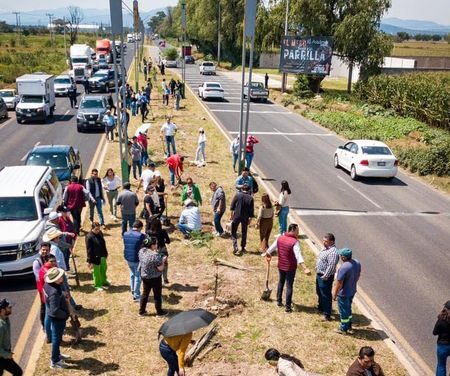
<point x="58" y="26"/>
<point x="156" y="21"/>
<point x="448" y="38"/>
<point x="402" y="35"/>
<point x="436" y="37"/>
<point x="73" y="23"/>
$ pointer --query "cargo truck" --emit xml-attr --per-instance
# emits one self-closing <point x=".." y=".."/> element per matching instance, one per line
<point x="103" y="47"/>
<point x="80" y="62"/>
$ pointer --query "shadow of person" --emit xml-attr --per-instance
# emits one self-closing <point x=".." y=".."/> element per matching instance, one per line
<point x="89" y="314"/>
<point x="179" y="287"/>
<point x="93" y="366"/>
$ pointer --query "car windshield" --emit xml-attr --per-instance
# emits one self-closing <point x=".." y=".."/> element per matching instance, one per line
<point x="31" y="99"/>
<point x="100" y="74"/>
<point x="63" y="81"/>
<point x="257" y="85"/>
<point x="57" y="161"/>
<point x="208" y="64"/>
<point x="79" y="60"/>
<point x="7" y="94"/>
<point x="17" y="209"/>
<point x="92" y="103"/>
<point x="376" y="150"/>
<point x="213" y="85"/>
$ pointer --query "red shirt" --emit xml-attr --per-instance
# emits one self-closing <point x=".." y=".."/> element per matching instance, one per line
<point x="174" y="163"/>
<point x="251" y="140"/>
<point x="41" y="282"/>
<point x="142" y="139"/>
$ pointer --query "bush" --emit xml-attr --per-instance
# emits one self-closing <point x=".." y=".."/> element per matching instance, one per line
<point x="171" y="53"/>
<point x="301" y="87"/>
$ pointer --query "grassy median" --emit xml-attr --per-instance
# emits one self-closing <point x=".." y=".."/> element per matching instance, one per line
<point x="117" y="341"/>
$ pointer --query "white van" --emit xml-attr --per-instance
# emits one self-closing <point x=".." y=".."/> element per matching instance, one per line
<point x="27" y="195"/>
<point x="207" y="67"/>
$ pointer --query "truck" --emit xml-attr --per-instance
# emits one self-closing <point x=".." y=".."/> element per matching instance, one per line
<point x="36" y="97"/>
<point x="103" y="47"/>
<point x="80" y="62"/>
<point x="130" y="38"/>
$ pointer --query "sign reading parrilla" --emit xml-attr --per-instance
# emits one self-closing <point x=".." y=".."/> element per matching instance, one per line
<point x="310" y="55"/>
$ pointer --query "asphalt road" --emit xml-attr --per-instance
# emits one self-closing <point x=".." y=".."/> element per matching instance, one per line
<point x="399" y="230"/>
<point x="16" y="141"/>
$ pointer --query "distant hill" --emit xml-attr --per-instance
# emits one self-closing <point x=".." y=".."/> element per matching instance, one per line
<point x="392" y="25"/>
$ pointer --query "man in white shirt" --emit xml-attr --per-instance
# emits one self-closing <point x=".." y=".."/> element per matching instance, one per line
<point x="189" y="219"/>
<point x="147" y="176"/>
<point x="168" y="130"/>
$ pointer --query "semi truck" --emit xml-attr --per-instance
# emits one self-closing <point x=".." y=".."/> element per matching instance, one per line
<point x="80" y="62"/>
<point x="103" y="47"/>
<point x="37" y="97"/>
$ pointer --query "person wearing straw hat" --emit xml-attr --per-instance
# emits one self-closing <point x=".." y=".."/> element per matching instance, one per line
<point x="189" y="219"/>
<point x="7" y="362"/>
<point x="57" y="312"/>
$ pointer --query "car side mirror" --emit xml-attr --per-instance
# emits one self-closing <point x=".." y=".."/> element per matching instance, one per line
<point x="76" y="166"/>
<point x="47" y="211"/>
<point x="340" y="147"/>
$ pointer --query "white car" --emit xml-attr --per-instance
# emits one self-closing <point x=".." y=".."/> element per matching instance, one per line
<point x="62" y="84"/>
<point x="209" y="90"/>
<point x="366" y="158"/>
<point x="10" y="97"/>
<point x="207" y="67"/>
<point x="170" y="63"/>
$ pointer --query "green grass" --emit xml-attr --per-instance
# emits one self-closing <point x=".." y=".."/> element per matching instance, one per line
<point x="414" y="48"/>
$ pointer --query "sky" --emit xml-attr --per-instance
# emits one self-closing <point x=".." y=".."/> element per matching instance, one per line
<point x="429" y="10"/>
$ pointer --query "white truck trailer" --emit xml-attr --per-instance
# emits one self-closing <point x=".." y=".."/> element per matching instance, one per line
<point x="80" y="62"/>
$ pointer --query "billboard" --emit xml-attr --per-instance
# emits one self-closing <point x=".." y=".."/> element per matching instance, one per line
<point x="309" y="55"/>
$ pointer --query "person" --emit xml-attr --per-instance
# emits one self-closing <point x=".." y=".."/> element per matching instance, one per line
<point x="249" y="150"/>
<point x="177" y="96"/>
<point x="57" y="312"/>
<point x="289" y="257"/>
<point x="148" y="89"/>
<point x="50" y="262"/>
<point x="189" y="219"/>
<point x="151" y="204"/>
<point x="7" y="363"/>
<point x="66" y="225"/>
<point x="133" y="105"/>
<point x="96" y="256"/>
<point x="201" y="145"/>
<point x="287" y="365"/>
<point x="143" y="101"/>
<point x="218" y="204"/>
<point x="144" y="60"/>
<point x="325" y="269"/>
<point x="172" y="85"/>
<point x="147" y="176"/>
<point x="136" y="154"/>
<point x="128" y="201"/>
<point x="283" y="203"/>
<point x="162" y="68"/>
<point x="72" y="94"/>
<point x="129" y="158"/>
<point x="165" y="92"/>
<point x="95" y="188"/>
<point x="154" y="229"/>
<point x="124" y="121"/>
<point x="266" y="81"/>
<point x="111" y="104"/>
<point x="264" y="221"/>
<point x="132" y="243"/>
<point x="151" y="266"/>
<point x="192" y="191"/>
<point x="244" y="178"/>
<point x="143" y="141"/>
<point x="160" y="188"/>
<point x="175" y="164"/>
<point x="234" y="150"/>
<point x="74" y="199"/>
<point x="66" y="241"/>
<point x="242" y="211"/>
<point x="345" y="288"/>
<point x="38" y="263"/>
<point x="86" y="85"/>
<point x="111" y="183"/>
<point x="168" y="130"/>
<point x="365" y="364"/>
<point x="172" y="350"/>
<point x="110" y="123"/>
<point x="442" y="330"/>
<point x="145" y="71"/>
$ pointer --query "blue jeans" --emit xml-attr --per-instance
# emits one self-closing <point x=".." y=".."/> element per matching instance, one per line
<point x="442" y="352"/>
<point x="138" y="165"/>
<point x="323" y="290"/>
<point x="288" y="278"/>
<point x="135" y="279"/>
<point x="48" y="328"/>
<point x="170" y="140"/>
<point x="170" y="357"/>
<point x="144" y="158"/>
<point x="127" y="219"/>
<point x="172" y="176"/>
<point x="57" y="328"/>
<point x="283" y="219"/>
<point x="345" y="311"/>
<point x="99" y="205"/>
<point x="248" y="160"/>
<point x="184" y="228"/>
<point x="177" y="101"/>
<point x="200" y="150"/>
<point x="217" y="224"/>
<point x="235" y="159"/>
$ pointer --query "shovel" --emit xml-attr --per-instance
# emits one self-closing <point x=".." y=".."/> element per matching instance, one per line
<point x="266" y="293"/>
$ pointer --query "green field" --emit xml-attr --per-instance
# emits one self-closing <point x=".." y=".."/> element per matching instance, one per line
<point x="414" y="48"/>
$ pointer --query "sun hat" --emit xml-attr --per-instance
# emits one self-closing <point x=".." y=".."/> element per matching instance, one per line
<point x="346" y="252"/>
<point x="53" y="275"/>
<point x="52" y="216"/>
<point x="51" y="234"/>
<point x="157" y="173"/>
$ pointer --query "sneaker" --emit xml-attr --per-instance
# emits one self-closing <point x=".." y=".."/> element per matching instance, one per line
<point x="143" y="313"/>
<point x="161" y="313"/>
<point x="279" y="304"/>
<point x="326" y="318"/>
<point x="99" y="289"/>
<point x="58" y="365"/>
<point x="166" y="281"/>
<point x="288" y="310"/>
<point x="64" y="356"/>
<point x="340" y="331"/>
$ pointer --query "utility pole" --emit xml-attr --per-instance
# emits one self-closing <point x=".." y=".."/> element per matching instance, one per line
<point x="183" y="47"/>
<point x="17" y="23"/>
<point x="284" y="77"/>
<point x="50" y="15"/>
<point x="218" y="37"/>
<point x="65" y="46"/>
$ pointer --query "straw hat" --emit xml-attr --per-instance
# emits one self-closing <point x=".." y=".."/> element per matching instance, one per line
<point x="53" y="275"/>
<point x="51" y="234"/>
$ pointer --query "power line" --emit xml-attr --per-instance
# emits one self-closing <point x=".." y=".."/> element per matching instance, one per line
<point x="17" y="22"/>
<point x="50" y="15"/>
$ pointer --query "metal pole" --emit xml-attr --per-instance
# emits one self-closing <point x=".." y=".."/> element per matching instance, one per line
<point x="65" y="46"/>
<point x="218" y="39"/>
<point x="136" y="73"/>
<point x="250" y="68"/>
<point x="124" y="163"/>
<point x="284" y="77"/>
<point x="242" y="143"/>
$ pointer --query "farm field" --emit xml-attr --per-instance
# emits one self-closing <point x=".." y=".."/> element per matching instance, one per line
<point x="419" y="48"/>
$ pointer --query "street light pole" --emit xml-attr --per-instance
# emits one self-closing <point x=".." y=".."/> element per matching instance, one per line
<point x="218" y="38"/>
<point x="284" y="78"/>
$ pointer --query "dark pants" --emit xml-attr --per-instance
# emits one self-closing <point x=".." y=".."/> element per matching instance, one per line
<point x="73" y="101"/>
<point x="42" y="315"/>
<point x="265" y="228"/>
<point x="170" y="357"/>
<point x="234" y="227"/>
<point x="12" y="367"/>
<point x="154" y="284"/>
<point x="217" y="224"/>
<point x="127" y="221"/>
<point x="58" y="327"/>
<point x="76" y="215"/>
<point x="144" y="112"/>
<point x="442" y="352"/>
<point x="288" y="278"/>
<point x="323" y="290"/>
<point x="138" y="165"/>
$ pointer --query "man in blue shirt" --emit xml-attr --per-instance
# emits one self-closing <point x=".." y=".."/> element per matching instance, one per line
<point x="109" y="122"/>
<point x="132" y="243"/>
<point x="345" y="288"/>
<point x="245" y="178"/>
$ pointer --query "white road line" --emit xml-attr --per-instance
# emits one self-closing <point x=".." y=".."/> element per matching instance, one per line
<point x="288" y="134"/>
<point x="26" y="155"/>
<point x="350" y="213"/>
<point x="358" y="191"/>
<point x="65" y="113"/>
<point x="286" y="137"/>
<point x="256" y="112"/>
<point x="238" y="103"/>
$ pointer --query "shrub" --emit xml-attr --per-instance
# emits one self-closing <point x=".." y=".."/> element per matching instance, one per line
<point x="171" y="53"/>
<point x="301" y="87"/>
<point x="287" y="100"/>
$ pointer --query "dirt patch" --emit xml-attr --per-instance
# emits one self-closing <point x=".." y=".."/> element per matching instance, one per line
<point x="223" y="306"/>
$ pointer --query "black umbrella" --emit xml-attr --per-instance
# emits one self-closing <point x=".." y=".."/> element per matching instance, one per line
<point x="186" y="322"/>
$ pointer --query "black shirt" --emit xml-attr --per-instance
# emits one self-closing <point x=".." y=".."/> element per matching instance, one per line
<point x="243" y="206"/>
<point x="442" y="330"/>
<point x="162" y="237"/>
<point x="95" y="248"/>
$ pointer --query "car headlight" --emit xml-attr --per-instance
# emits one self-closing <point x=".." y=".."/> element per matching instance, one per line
<point x="80" y="116"/>
<point x="28" y="249"/>
<point x="19" y="110"/>
<point x="39" y="109"/>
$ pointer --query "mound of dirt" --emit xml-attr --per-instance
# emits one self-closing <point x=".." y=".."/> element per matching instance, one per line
<point x="223" y="306"/>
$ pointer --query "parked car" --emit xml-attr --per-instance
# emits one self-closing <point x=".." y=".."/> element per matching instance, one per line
<point x="91" y="111"/>
<point x="189" y="59"/>
<point x="211" y="90"/>
<point x="366" y="158"/>
<point x="62" y="84"/>
<point x="103" y="81"/>
<point x="207" y="67"/>
<point x="102" y="63"/>
<point x="27" y="195"/>
<point x="64" y="159"/>
<point x="170" y="63"/>
<point x="3" y="109"/>
<point x="257" y="91"/>
<point x="10" y="97"/>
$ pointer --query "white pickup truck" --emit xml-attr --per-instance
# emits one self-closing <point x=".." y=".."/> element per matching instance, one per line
<point x="207" y="67"/>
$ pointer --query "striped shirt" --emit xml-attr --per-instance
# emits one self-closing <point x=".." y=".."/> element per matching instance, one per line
<point x="327" y="261"/>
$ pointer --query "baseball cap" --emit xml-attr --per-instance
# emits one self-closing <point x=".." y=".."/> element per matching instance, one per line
<point x="346" y="252"/>
<point x="5" y="304"/>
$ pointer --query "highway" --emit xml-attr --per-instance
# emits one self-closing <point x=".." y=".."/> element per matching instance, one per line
<point x="399" y="230"/>
<point x="16" y="141"/>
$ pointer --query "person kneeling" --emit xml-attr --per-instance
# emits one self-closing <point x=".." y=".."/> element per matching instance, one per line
<point x="189" y="219"/>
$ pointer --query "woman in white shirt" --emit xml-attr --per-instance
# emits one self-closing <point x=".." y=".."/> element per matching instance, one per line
<point x="201" y="145"/>
<point x="287" y="365"/>
<point x="283" y="202"/>
<point x="111" y="184"/>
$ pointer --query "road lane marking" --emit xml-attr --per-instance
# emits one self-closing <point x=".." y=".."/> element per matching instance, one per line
<point x="286" y="137"/>
<point x="356" y="213"/>
<point x="238" y="104"/>
<point x="358" y="191"/>
<point x="288" y="134"/>
<point x="256" y="112"/>
<point x="26" y="155"/>
<point x="65" y="113"/>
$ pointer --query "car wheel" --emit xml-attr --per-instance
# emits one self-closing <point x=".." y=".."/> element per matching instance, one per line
<point x="79" y="129"/>
<point x="336" y="161"/>
<point x="353" y="173"/>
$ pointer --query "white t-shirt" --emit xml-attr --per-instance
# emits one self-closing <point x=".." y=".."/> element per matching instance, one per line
<point x="169" y="129"/>
<point x="283" y="199"/>
<point x="111" y="185"/>
<point x="201" y="137"/>
<point x="147" y="176"/>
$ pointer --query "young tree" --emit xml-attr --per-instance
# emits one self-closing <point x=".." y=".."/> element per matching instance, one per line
<point x="402" y="35"/>
<point x="73" y="23"/>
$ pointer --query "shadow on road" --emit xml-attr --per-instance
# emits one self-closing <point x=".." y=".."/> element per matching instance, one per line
<point x="16" y="284"/>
